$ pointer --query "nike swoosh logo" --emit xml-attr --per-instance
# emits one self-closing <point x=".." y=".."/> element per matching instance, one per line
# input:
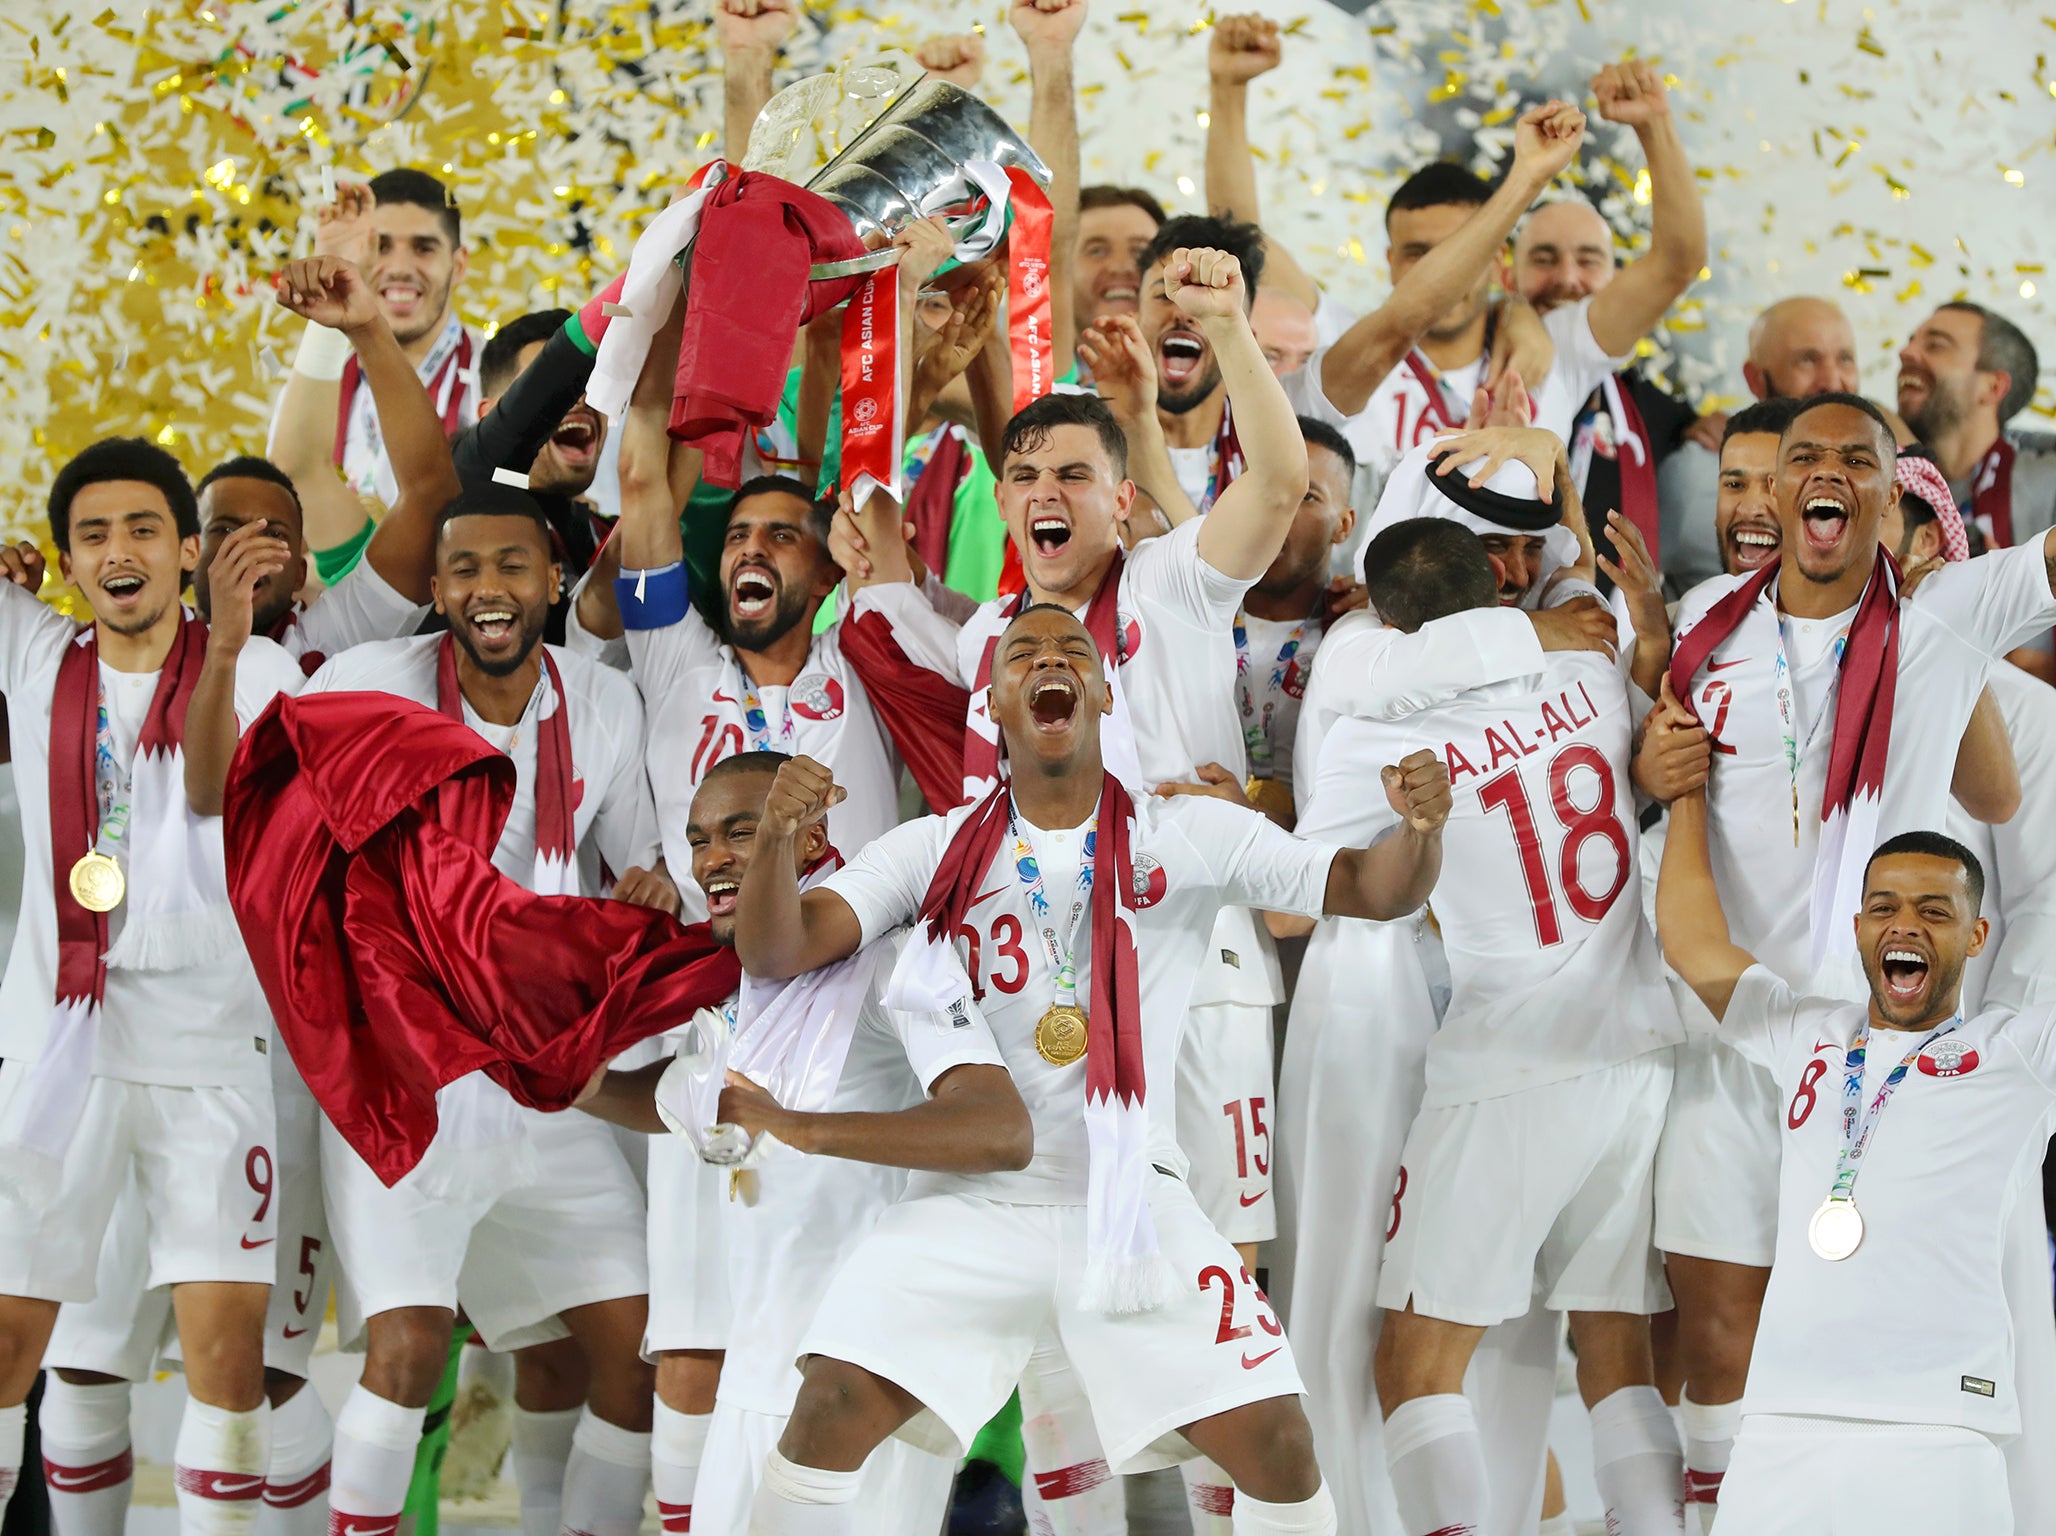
<point x="1249" y="1200"/>
<point x="261" y="1242"/>
<point x="723" y="698"/>
<point x="1722" y="666"/>
<point x="1825" y="1045"/>
<point x="1249" y="1364"/>
<point x="986" y="897"/>
<point x="292" y="1333"/>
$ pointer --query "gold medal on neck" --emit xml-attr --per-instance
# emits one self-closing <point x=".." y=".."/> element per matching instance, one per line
<point x="1060" y="1035"/>
<point x="97" y="883"/>
<point x="1269" y="796"/>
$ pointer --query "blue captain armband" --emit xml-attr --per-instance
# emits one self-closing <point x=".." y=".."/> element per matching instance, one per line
<point x="652" y="599"/>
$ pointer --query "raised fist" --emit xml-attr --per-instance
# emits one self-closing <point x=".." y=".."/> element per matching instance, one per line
<point x="1417" y="787"/>
<point x="957" y="58"/>
<point x="1242" y="48"/>
<point x="1206" y="284"/>
<point x="746" y="26"/>
<point x="800" y="796"/>
<point x="329" y="291"/>
<point x="1546" y="138"/>
<point x="1631" y="92"/>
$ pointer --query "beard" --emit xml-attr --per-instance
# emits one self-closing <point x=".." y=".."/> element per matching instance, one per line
<point x="1193" y="395"/>
<point x="137" y="623"/>
<point x="1946" y="406"/>
<point x="272" y="607"/>
<point x="434" y="312"/>
<point x="531" y="636"/>
<point x="761" y="633"/>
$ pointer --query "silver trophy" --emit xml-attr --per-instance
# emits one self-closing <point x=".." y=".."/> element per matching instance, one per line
<point x="934" y="149"/>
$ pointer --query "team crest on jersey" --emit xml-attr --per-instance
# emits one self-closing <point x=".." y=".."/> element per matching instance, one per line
<point x="1149" y="882"/>
<point x="1131" y="639"/>
<point x="1295" y="679"/>
<point x="1949" y="1058"/>
<point x="577" y="789"/>
<point x="817" y="696"/>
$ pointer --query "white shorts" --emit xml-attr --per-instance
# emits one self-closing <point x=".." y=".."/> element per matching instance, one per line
<point x="1545" y="1193"/>
<point x="1227" y="1112"/>
<point x="903" y="1490"/>
<point x="571" y="1236"/>
<point x="1717" y="1163"/>
<point x="1793" y="1476"/>
<point x="689" y="1294"/>
<point x="201" y="1162"/>
<point x="126" y="1326"/>
<point x="949" y="1294"/>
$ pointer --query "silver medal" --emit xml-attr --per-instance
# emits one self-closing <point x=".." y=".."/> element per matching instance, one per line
<point x="1836" y="1230"/>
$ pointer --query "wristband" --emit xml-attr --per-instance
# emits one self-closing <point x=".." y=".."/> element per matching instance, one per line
<point x="323" y="353"/>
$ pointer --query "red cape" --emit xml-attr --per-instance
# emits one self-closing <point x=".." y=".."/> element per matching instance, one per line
<point x="359" y="829"/>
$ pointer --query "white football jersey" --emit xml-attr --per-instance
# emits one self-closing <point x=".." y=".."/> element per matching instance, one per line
<point x="698" y="698"/>
<point x="360" y="608"/>
<point x="1192" y="857"/>
<point x="202" y="1026"/>
<point x="1957" y="1150"/>
<point x="1399" y="414"/>
<point x="611" y="810"/>
<point x="1553" y="969"/>
<point x="1274" y="661"/>
<point x="1953" y="627"/>
<point x="786" y="1241"/>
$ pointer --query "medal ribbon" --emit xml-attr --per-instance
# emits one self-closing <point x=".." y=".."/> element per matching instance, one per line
<point x="756" y="725"/>
<point x="1256" y="724"/>
<point x="1858" y="1124"/>
<point x="1788" y="709"/>
<point x="1062" y="954"/>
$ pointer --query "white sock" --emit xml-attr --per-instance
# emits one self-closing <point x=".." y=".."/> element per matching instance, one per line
<point x="1209" y="1497"/>
<point x="541" y="1447"/>
<point x="802" y="1501"/>
<point x="1309" y="1517"/>
<point x="1077" y="1495"/>
<point x="88" y="1464"/>
<point x="677" y="1441"/>
<point x="1638" y="1463"/>
<point x="219" y="1462"/>
<point x="1438" y="1466"/>
<point x="1710" y="1431"/>
<point x="606" y="1478"/>
<point x="1557" y="1525"/>
<point x="374" y="1462"/>
<point x="14" y="1424"/>
<point x="296" y="1485"/>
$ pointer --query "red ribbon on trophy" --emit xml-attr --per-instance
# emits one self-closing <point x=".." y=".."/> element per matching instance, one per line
<point x="873" y="405"/>
<point x="1028" y="307"/>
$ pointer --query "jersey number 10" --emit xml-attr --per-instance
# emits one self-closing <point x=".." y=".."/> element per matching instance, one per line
<point x="1580" y="824"/>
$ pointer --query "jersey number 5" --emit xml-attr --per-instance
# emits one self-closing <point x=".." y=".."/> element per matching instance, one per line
<point x="1580" y="824"/>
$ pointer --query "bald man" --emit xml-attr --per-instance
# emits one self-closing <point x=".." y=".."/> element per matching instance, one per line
<point x="1798" y="347"/>
<point x="1564" y="252"/>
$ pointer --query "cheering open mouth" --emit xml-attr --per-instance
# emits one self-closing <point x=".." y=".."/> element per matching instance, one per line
<point x="752" y="593"/>
<point x="124" y="587"/>
<point x="1048" y="534"/>
<point x="1824" y="517"/>
<point x="577" y="439"/>
<point x="721" y="894"/>
<point x="1053" y="700"/>
<point x="1752" y="546"/>
<point x="1179" y="356"/>
<point x="1905" y="971"/>
<point x="494" y="627"/>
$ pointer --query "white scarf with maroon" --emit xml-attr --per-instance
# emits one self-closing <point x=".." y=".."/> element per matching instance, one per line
<point x="174" y="915"/>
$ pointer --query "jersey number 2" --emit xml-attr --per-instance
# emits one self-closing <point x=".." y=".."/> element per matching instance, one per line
<point x="1580" y="823"/>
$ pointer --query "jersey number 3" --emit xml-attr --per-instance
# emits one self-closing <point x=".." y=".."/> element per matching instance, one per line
<point x="1580" y="824"/>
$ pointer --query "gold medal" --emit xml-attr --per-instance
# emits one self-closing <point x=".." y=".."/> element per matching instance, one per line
<point x="1060" y="1035"/>
<point x="97" y="883"/>
<point x="1271" y="797"/>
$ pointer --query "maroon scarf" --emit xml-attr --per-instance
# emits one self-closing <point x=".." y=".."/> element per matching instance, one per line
<point x="1124" y="1270"/>
<point x="1869" y="681"/>
<point x="1991" y="493"/>
<point x="1635" y="458"/>
<point x="74" y="802"/>
<point x="556" y="832"/>
<point x="458" y="362"/>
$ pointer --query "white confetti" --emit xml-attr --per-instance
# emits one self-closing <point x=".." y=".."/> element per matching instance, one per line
<point x="512" y="477"/>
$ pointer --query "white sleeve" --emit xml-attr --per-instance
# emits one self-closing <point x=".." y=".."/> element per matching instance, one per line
<point x="1303" y="389"/>
<point x="2034" y="1031"/>
<point x="263" y="672"/>
<point x="32" y="633"/>
<point x="885" y="882"/>
<point x="937" y="1042"/>
<point x="626" y="823"/>
<point x="928" y="637"/>
<point x="580" y="641"/>
<point x="1581" y="364"/>
<point x="1383" y="674"/>
<point x="1342" y="807"/>
<point x="1763" y="1019"/>
<point x="1255" y="862"/>
<point x="357" y="610"/>
<point x="1995" y="602"/>
<point x="1170" y="571"/>
<point x="1331" y="318"/>
<point x="946" y="600"/>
